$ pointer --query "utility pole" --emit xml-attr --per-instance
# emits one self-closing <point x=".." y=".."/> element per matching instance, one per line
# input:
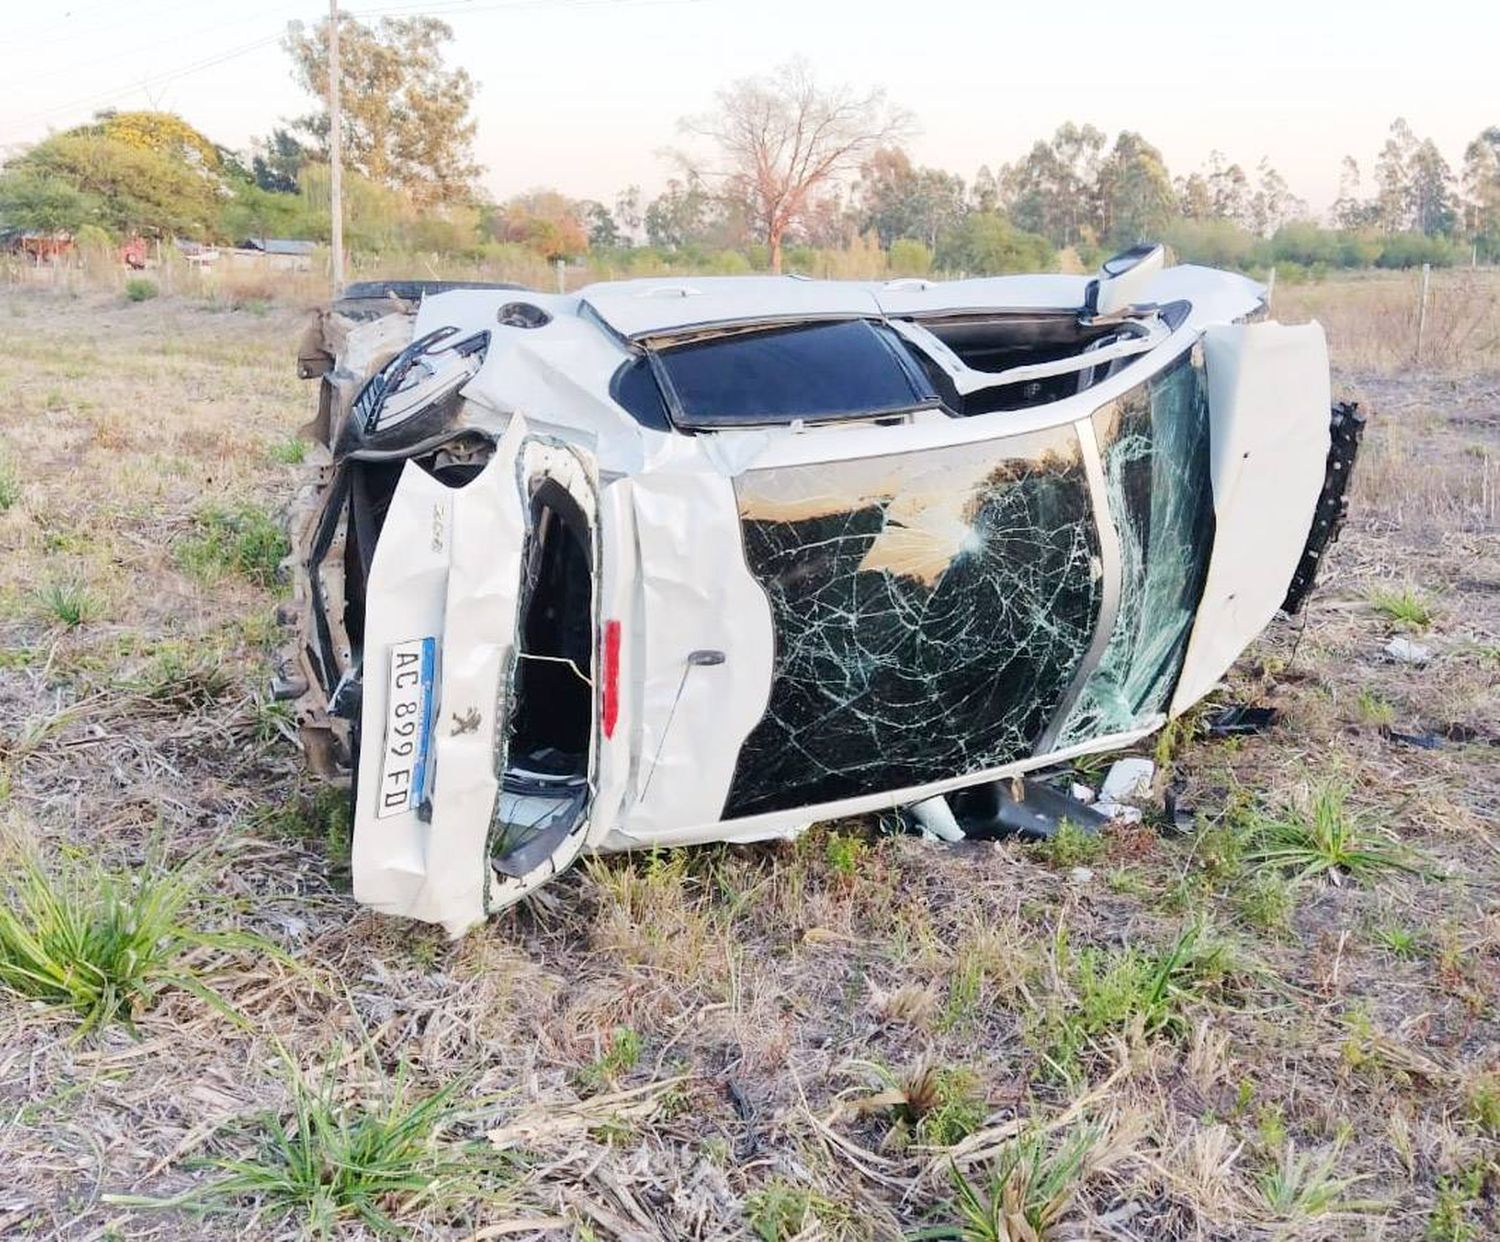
<point x="335" y="149"/>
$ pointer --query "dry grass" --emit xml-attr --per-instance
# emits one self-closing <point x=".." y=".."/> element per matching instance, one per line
<point x="1372" y="319"/>
<point x="240" y="284"/>
<point x="843" y="1037"/>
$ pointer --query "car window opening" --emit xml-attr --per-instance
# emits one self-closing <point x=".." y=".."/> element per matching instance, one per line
<point x="806" y="373"/>
<point x="993" y="344"/>
<point x="861" y="371"/>
<point x="544" y="788"/>
<point x="999" y="342"/>
<point x="370" y="486"/>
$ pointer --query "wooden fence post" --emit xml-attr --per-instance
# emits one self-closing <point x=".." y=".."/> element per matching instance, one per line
<point x="1422" y="308"/>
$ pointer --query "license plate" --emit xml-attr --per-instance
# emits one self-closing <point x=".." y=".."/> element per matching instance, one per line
<point x="408" y="727"/>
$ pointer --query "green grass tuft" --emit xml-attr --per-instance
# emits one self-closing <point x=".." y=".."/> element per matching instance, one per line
<point x="1407" y="607"/>
<point x="845" y="854"/>
<point x="1154" y="987"/>
<point x="1374" y="710"/>
<point x="934" y="1105"/>
<point x="93" y="941"/>
<point x="622" y="1056"/>
<point x="272" y="719"/>
<point x="1325" y="838"/>
<point x="1301" y="1186"/>
<point x="1265" y="901"/>
<point x="10" y="485"/>
<point x="1402" y="942"/>
<point x="1115" y="992"/>
<point x="333" y="1162"/>
<point x="243" y="540"/>
<point x="965" y="991"/>
<point x="1482" y="1103"/>
<point x="139" y="289"/>
<point x="1459" y="1199"/>
<point x="1028" y="1189"/>
<point x="1071" y="846"/>
<point x="783" y="1209"/>
<point x="69" y="601"/>
<point x="183" y="676"/>
<point x="946" y="1104"/>
<point x="289" y="452"/>
<point x="324" y="819"/>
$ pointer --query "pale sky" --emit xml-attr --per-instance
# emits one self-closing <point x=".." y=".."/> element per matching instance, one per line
<point x="584" y="95"/>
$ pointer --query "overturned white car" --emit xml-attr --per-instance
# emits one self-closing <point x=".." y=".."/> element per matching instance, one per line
<point x="665" y="562"/>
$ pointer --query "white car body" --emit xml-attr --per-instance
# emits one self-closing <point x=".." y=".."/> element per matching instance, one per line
<point x="787" y="621"/>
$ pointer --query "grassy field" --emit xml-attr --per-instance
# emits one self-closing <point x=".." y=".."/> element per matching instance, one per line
<point x="1280" y="1023"/>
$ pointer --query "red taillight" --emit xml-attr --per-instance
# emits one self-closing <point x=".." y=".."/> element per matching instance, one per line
<point x="609" y="704"/>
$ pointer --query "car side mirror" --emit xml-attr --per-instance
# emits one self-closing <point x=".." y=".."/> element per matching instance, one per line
<point x="1123" y="279"/>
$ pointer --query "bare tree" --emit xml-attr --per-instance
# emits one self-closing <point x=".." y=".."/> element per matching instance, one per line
<point x="779" y="139"/>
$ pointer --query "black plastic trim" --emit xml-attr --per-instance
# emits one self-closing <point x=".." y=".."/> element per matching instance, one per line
<point x="1346" y="427"/>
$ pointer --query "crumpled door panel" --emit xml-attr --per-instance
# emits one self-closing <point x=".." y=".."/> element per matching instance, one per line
<point x="448" y="566"/>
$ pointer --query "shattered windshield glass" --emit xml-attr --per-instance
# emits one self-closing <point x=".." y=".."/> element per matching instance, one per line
<point x="1154" y="446"/>
<point x="931" y="611"/>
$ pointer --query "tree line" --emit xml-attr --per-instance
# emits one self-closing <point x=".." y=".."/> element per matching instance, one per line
<point x="782" y="172"/>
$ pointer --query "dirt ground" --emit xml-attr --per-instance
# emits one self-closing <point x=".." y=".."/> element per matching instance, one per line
<point x="1171" y="1033"/>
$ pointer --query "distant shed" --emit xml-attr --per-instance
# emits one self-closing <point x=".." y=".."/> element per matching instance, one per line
<point x="279" y="245"/>
<point x="283" y="254"/>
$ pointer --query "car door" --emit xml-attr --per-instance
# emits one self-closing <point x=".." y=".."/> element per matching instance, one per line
<point x="1268" y="399"/>
<point x="451" y="583"/>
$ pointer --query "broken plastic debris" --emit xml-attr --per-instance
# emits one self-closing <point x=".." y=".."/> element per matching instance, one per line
<point x="1422" y="741"/>
<point x="1029" y="809"/>
<point x="1404" y="651"/>
<point x="1238" y="719"/>
<point x="1127" y="778"/>
<point x="1127" y="781"/>
<point x="1175" y="816"/>
<point x="935" y="818"/>
<point x="1119" y="812"/>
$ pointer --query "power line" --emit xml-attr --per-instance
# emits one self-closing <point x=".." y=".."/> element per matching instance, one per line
<point x="156" y="79"/>
<point x="44" y="36"/>
<point x="115" y="55"/>
<point x="441" y="8"/>
<point x="136" y="19"/>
